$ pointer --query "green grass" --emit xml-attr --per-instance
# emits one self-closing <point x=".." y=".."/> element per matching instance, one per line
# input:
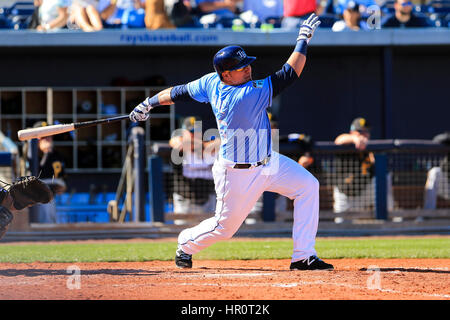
<point x="227" y="250"/>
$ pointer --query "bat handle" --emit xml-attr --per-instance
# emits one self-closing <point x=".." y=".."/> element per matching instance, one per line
<point x="91" y="123"/>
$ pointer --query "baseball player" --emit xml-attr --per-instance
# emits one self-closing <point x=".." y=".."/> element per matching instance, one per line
<point x="246" y="165"/>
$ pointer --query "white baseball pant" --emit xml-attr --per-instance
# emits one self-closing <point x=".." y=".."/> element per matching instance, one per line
<point x="238" y="190"/>
<point x="437" y="184"/>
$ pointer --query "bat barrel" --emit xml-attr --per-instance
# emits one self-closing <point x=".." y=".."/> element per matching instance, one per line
<point x="34" y="133"/>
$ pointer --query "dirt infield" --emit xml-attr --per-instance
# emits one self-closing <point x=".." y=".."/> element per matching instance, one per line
<point x="355" y="279"/>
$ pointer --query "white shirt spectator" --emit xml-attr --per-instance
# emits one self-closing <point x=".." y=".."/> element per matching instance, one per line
<point x="48" y="11"/>
<point x="339" y="26"/>
<point x="122" y="6"/>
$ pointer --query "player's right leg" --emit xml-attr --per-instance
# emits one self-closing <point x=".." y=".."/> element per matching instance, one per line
<point x="295" y="182"/>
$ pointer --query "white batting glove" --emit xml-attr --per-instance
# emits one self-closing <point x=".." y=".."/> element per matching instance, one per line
<point x="141" y="112"/>
<point x="308" y="27"/>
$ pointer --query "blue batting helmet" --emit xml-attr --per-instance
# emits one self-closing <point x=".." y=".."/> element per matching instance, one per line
<point x="231" y="58"/>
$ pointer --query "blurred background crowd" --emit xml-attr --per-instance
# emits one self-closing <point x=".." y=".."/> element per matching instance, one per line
<point x="337" y="15"/>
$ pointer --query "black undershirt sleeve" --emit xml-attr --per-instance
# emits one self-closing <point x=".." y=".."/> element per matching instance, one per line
<point x="283" y="78"/>
<point x="180" y="93"/>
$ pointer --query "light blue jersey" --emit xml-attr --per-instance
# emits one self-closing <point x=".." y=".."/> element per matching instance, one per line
<point x="241" y="115"/>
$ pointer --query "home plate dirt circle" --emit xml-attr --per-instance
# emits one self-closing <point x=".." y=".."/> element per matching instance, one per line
<point x="360" y="279"/>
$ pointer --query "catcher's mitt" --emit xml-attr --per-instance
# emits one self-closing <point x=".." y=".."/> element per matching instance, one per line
<point x="6" y="217"/>
<point x="27" y="191"/>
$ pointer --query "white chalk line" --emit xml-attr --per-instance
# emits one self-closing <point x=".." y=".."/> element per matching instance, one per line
<point x="318" y="282"/>
<point x="226" y="275"/>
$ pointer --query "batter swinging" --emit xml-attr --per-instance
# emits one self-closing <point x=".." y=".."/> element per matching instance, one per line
<point x="247" y="166"/>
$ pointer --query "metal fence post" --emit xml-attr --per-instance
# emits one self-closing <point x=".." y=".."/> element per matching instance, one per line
<point x="268" y="211"/>
<point x="386" y="86"/>
<point x="137" y="135"/>
<point x="156" y="190"/>
<point x="381" y="190"/>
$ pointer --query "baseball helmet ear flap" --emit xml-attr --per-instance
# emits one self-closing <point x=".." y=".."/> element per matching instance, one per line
<point x="231" y="58"/>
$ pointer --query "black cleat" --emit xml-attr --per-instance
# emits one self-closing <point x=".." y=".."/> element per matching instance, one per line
<point x="311" y="263"/>
<point x="183" y="260"/>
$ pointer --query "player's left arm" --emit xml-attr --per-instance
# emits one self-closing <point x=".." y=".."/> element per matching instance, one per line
<point x="192" y="91"/>
<point x="293" y="67"/>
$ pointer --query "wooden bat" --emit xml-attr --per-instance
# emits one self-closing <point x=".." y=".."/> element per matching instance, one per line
<point x="34" y="133"/>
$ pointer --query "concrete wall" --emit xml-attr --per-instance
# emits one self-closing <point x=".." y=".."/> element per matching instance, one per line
<point x="338" y="83"/>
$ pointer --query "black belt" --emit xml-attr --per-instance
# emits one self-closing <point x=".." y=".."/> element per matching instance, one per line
<point x="249" y="165"/>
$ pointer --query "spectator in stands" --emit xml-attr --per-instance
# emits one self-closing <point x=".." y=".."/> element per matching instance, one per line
<point x="85" y="14"/>
<point x="295" y="11"/>
<point x="51" y="171"/>
<point x="341" y="5"/>
<point x="182" y="13"/>
<point x="53" y="14"/>
<point x="438" y="178"/>
<point x="156" y="15"/>
<point x="351" y="19"/>
<point x="34" y="21"/>
<point x="264" y="10"/>
<point x="404" y="17"/>
<point x="193" y="180"/>
<point x="118" y="13"/>
<point x="218" y="11"/>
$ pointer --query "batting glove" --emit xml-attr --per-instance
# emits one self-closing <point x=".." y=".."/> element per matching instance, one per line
<point x="141" y="112"/>
<point x="308" y="27"/>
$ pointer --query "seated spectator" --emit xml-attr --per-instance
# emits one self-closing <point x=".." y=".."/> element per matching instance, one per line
<point x="182" y="13"/>
<point x="404" y="17"/>
<point x="193" y="179"/>
<point x="296" y="11"/>
<point x="53" y="14"/>
<point x="85" y="14"/>
<point x="351" y="19"/>
<point x="156" y="16"/>
<point x="118" y="13"/>
<point x="221" y="11"/>
<point x="264" y="9"/>
<point x="34" y="19"/>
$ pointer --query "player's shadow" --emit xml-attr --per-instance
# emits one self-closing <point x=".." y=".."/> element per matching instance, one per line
<point x="406" y="270"/>
<point x="65" y="272"/>
<point x="242" y="269"/>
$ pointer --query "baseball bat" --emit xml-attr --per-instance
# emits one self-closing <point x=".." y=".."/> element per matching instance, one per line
<point x="34" y="133"/>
